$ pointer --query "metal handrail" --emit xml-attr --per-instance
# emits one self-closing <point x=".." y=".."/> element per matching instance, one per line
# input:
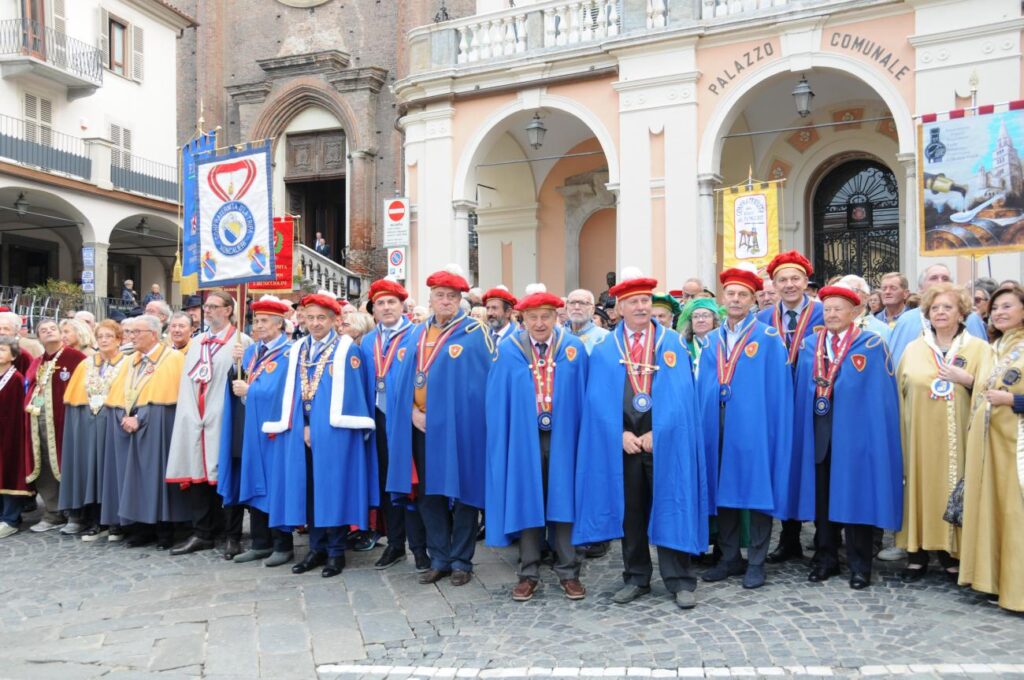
<point x="31" y="38"/>
<point x="33" y="143"/>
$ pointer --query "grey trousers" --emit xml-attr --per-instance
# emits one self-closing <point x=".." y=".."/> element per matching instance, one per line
<point x="567" y="564"/>
<point x="46" y="483"/>
<point x="729" y="535"/>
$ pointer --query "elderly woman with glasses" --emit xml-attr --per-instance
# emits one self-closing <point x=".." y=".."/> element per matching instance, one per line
<point x="699" y="317"/>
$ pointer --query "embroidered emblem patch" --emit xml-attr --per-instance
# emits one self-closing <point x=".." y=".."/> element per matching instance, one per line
<point x="670" y="359"/>
<point x="454" y="351"/>
<point x="401" y="354"/>
<point x="1011" y="377"/>
<point x="65" y="375"/>
<point x="354" y="361"/>
<point x="271" y="367"/>
<point x="960" y="362"/>
<point x="859" y="361"/>
<point x="818" y="329"/>
<point x="751" y="350"/>
<point x="570" y="353"/>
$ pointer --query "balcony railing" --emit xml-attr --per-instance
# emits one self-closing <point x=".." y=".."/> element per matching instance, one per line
<point x="716" y="9"/>
<point x="323" y="273"/>
<point x="144" y="176"/>
<point x="41" y="146"/>
<point x="34" y="40"/>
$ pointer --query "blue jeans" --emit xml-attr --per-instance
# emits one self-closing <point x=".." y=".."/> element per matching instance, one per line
<point x="10" y="509"/>
<point x="451" y="533"/>
<point x="330" y="540"/>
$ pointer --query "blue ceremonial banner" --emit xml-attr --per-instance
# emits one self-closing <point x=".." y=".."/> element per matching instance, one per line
<point x="191" y="153"/>
<point x="236" y="231"/>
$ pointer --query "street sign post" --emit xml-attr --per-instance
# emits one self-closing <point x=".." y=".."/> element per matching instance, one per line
<point x="396" y="222"/>
<point x="396" y="263"/>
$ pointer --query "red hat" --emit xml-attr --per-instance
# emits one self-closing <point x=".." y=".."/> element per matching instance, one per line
<point x="383" y="287"/>
<point x="538" y="297"/>
<point x="321" y="300"/>
<point x="449" y="277"/>
<point x="677" y="293"/>
<point x="501" y="293"/>
<point x="270" y="305"/>
<point x="633" y="283"/>
<point x="741" y="277"/>
<point x="790" y="259"/>
<point x="839" y="291"/>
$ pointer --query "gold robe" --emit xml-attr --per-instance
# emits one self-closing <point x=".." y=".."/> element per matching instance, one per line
<point x="992" y="545"/>
<point x="934" y="438"/>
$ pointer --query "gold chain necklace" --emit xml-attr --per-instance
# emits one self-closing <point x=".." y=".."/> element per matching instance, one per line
<point x="43" y="378"/>
<point x="310" y="385"/>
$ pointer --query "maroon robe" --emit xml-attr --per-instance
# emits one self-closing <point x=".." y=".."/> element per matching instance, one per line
<point x="12" y="437"/>
<point x="22" y="363"/>
<point x="69" y="361"/>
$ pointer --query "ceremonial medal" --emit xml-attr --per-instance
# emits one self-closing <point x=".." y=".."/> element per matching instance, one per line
<point x="941" y="389"/>
<point x="960" y="362"/>
<point x="727" y="364"/>
<point x="65" y="375"/>
<point x="1011" y="377"/>
<point x="822" y="406"/>
<point x="425" y="361"/>
<point x="382" y="360"/>
<point x="308" y="406"/>
<point x="642" y="402"/>
<point x="421" y="380"/>
<point x="544" y="421"/>
<point x="542" y="369"/>
<point x="640" y="374"/>
<point x="724" y="393"/>
<point x="381" y="386"/>
<point x="825" y="381"/>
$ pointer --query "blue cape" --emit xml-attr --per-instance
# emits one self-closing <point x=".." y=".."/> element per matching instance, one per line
<point x="515" y="489"/>
<point x="344" y="471"/>
<point x="370" y="375"/>
<point x="679" y="511"/>
<point x="756" y="463"/>
<point x="262" y="403"/>
<point x="817" y="322"/>
<point x="908" y="328"/>
<point x="866" y="485"/>
<point x="456" y="433"/>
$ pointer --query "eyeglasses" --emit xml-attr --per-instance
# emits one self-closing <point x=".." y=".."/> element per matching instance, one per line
<point x="703" y="316"/>
<point x="981" y="298"/>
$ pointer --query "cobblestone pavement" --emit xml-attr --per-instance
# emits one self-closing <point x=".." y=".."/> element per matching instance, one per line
<point x="73" y="610"/>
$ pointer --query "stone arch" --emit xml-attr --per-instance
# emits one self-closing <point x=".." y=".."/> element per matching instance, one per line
<point x="301" y="94"/>
<point x="584" y="194"/>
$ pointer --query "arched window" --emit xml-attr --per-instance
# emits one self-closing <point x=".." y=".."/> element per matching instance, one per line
<point x="857" y="222"/>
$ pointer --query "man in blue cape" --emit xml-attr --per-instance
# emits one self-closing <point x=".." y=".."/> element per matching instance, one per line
<point x="794" y="317"/>
<point x="326" y="477"/>
<point x="640" y="412"/>
<point x="743" y="376"/>
<point x="259" y="394"/>
<point x="534" y="402"/>
<point x="499" y="303"/>
<point x="443" y="364"/>
<point x="845" y="379"/>
<point x="379" y="348"/>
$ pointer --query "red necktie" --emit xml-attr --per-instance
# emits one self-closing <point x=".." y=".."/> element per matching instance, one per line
<point x="835" y="347"/>
<point x="636" y="352"/>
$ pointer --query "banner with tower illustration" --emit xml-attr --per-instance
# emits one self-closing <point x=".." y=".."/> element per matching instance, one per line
<point x="236" y="232"/>
<point x="971" y="182"/>
<point x="750" y="224"/>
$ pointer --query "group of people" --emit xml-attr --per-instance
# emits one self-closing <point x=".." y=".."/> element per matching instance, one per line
<point x="692" y="424"/>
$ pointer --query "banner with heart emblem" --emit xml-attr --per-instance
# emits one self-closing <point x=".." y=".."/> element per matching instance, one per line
<point x="236" y="230"/>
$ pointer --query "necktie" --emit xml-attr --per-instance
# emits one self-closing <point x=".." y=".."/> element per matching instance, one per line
<point x="260" y="352"/>
<point x="542" y="349"/>
<point x="636" y="351"/>
<point x="318" y="346"/>
<point x="386" y="336"/>
<point x="791" y="324"/>
<point x="835" y="347"/>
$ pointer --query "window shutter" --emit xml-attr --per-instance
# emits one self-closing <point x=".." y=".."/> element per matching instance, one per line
<point x="38" y="120"/>
<point x="105" y="37"/>
<point x="126" y="148"/>
<point x="31" y="117"/>
<point x="115" y="141"/>
<point x="138" y="63"/>
<point x="45" y="122"/>
<point x="59" y="15"/>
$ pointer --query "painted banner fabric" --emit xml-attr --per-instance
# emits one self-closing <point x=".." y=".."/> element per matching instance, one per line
<point x="191" y="154"/>
<point x="284" y="235"/>
<point x="750" y="224"/>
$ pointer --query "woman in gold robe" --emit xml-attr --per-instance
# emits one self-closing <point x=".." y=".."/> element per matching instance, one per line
<point x="936" y="376"/>
<point x="992" y="545"/>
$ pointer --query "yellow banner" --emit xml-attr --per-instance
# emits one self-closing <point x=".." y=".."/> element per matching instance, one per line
<point x="750" y="224"/>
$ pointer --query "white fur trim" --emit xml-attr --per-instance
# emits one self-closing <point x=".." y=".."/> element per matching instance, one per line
<point x="288" y="398"/>
<point x="630" y="273"/>
<point x="536" y="288"/>
<point x="338" y="418"/>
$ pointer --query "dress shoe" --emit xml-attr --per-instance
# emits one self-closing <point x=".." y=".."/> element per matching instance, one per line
<point x="909" y="575"/>
<point x="460" y="577"/>
<point x="821" y="573"/>
<point x="859" y="581"/>
<point x="279" y="557"/>
<point x="523" y="592"/>
<point x="252" y="555"/>
<point x="724" y="570"/>
<point x="192" y="544"/>
<point x="573" y="589"/>
<point x="312" y="561"/>
<point x="783" y="553"/>
<point x="433" y="576"/>
<point x="164" y="543"/>
<point x="686" y="599"/>
<point x="709" y="559"/>
<point x="754" y="578"/>
<point x="232" y="548"/>
<point x="595" y="550"/>
<point x="333" y="566"/>
<point x="628" y="593"/>
<point x="952" y="576"/>
<point x="392" y="555"/>
<point x="422" y="562"/>
<point x="137" y="540"/>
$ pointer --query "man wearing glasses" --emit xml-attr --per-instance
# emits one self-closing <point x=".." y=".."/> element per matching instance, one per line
<point x="580" y="305"/>
<point x="195" y="444"/>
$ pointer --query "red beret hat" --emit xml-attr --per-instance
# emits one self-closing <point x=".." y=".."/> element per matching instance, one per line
<point x="790" y="259"/>
<point x="633" y="283"/>
<point x="501" y="294"/>
<point x="382" y="287"/>
<point x="541" y="300"/>
<point x="447" y="279"/>
<point x="741" y="277"/>
<point x="677" y="293"/>
<point x="839" y="291"/>
<point x="321" y="300"/>
<point x="269" y="304"/>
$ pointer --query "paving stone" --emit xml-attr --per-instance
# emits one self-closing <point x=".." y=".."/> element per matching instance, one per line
<point x="179" y="652"/>
<point x="297" y="665"/>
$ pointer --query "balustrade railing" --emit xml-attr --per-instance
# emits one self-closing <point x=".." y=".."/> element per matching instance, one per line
<point x="716" y="9"/>
<point x="33" y="39"/>
<point x="39" y="145"/>
<point x="134" y="173"/>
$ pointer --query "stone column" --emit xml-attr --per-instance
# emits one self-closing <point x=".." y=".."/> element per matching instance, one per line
<point x="460" y="235"/>
<point x="100" y="268"/>
<point x="707" y="183"/>
<point x="910" y="237"/>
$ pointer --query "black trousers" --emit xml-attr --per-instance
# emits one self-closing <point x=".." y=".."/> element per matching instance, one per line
<point x="400" y="523"/>
<point x="859" y="537"/>
<point x="265" y="538"/>
<point x="207" y="511"/>
<point x="674" y="566"/>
